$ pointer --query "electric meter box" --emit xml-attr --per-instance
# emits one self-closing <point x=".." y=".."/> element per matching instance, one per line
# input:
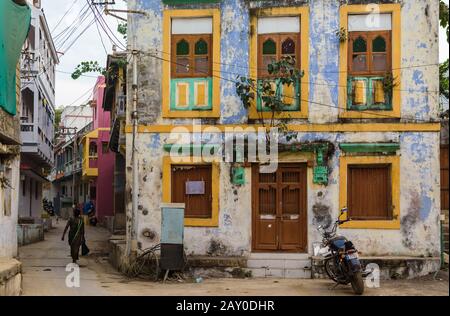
<point x="172" y="236"/>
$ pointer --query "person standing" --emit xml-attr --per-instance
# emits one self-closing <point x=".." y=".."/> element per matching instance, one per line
<point x="75" y="225"/>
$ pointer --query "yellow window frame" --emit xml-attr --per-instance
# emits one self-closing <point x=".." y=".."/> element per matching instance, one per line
<point x="303" y="13"/>
<point x="167" y="33"/>
<point x="167" y="190"/>
<point x="395" y="10"/>
<point x="394" y="161"/>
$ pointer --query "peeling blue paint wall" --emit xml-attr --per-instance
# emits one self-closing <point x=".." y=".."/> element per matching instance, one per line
<point x="419" y="161"/>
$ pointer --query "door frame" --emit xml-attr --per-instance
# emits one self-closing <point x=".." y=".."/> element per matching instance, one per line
<point x="303" y="217"/>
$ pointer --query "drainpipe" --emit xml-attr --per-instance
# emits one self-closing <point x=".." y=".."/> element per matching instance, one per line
<point x="132" y="246"/>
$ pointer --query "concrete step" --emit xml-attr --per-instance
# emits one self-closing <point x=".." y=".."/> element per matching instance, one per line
<point x="264" y="265"/>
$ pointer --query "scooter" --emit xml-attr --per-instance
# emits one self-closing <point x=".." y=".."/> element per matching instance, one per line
<point x="341" y="262"/>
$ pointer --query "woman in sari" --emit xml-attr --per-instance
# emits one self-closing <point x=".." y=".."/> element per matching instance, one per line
<point x="76" y="234"/>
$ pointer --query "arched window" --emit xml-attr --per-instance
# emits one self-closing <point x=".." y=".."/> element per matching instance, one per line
<point x="379" y="54"/>
<point x="269" y="47"/>
<point x="379" y="45"/>
<point x="182" y="60"/>
<point x="202" y="62"/>
<point x="182" y="48"/>
<point x="360" y="45"/>
<point x="359" y="55"/>
<point x="92" y="149"/>
<point x="369" y="52"/>
<point x="192" y="56"/>
<point x="288" y="47"/>
<point x="201" y="47"/>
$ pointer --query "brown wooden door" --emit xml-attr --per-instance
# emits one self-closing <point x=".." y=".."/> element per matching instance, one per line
<point x="197" y="204"/>
<point x="279" y="209"/>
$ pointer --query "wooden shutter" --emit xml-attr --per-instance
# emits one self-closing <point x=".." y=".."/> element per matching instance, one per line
<point x="369" y="192"/>
<point x="266" y="57"/>
<point x="197" y="205"/>
<point x="371" y="55"/>
<point x="189" y="63"/>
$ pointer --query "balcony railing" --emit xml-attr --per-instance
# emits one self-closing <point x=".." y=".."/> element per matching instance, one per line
<point x="27" y="133"/>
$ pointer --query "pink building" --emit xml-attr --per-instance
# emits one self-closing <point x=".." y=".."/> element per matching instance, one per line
<point x="98" y="160"/>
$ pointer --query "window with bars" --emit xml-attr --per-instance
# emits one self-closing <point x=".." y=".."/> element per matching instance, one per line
<point x="369" y="192"/>
<point x="272" y="48"/>
<point x="369" y="62"/>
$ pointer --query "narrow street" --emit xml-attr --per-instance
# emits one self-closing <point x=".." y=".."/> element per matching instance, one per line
<point x="44" y="273"/>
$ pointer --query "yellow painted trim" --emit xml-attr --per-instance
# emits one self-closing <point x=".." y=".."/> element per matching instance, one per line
<point x="167" y="191"/>
<point x="167" y="32"/>
<point x="395" y="10"/>
<point x="395" y="185"/>
<point x="86" y="170"/>
<point x="303" y="12"/>
<point x="332" y="128"/>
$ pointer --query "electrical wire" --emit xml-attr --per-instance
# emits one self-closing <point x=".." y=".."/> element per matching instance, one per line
<point x="111" y="35"/>
<point x="61" y="19"/>
<point x="69" y="30"/>
<point x="286" y="96"/>
<point x="98" y="29"/>
<point x="309" y="82"/>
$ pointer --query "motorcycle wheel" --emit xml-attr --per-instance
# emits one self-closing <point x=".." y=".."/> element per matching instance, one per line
<point x="358" y="283"/>
<point x="330" y="269"/>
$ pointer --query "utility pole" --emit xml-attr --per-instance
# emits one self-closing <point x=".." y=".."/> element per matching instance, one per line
<point x="74" y="159"/>
<point x="132" y="245"/>
<point x="108" y="10"/>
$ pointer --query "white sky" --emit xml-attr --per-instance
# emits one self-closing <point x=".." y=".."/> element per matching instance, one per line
<point x="89" y="47"/>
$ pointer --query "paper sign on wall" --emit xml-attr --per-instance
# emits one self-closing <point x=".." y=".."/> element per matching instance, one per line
<point x="195" y="187"/>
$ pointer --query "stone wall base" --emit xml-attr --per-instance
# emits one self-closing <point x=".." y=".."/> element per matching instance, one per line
<point x="10" y="277"/>
<point x="390" y="267"/>
<point x="29" y="233"/>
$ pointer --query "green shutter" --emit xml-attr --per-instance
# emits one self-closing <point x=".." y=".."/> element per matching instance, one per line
<point x="370" y="102"/>
<point x="294" y="107"/>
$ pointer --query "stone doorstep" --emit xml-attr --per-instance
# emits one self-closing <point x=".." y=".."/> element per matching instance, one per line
<point x="9" y="268"/>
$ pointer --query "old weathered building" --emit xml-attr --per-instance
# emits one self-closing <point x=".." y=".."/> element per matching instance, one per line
<point x="14" y="22"/>
<point x="39" y="60"/>
<point x="85" y="172"/>
<point x="362" y="121"/>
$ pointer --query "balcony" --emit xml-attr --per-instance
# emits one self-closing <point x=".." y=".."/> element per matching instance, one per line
<point x="70" y="168"/>
<point x="36" y="140"/>
<point x="27" y="133"/>
<point x="90" y="157"/>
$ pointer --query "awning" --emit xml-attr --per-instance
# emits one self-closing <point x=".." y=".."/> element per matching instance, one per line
<point x="14" y="24"/>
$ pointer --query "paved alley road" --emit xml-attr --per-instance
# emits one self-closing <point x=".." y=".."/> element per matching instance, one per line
<point x="44" y="273"/>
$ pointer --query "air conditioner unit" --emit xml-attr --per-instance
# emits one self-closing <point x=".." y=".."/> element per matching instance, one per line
<point x="121" y="106"/>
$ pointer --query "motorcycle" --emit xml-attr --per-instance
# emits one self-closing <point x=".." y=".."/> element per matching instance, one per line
<point x="341" y="262"/>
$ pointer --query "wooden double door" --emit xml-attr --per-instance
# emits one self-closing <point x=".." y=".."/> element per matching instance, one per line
<point x="280" y="209"/>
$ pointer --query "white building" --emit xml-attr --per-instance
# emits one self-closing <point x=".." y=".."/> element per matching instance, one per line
<point x="39" y="59"/>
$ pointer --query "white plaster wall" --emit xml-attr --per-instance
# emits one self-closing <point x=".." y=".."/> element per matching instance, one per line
<point x="8" y="224"/>
<point x="24" y="200"/>
<point x="419" y="206"/>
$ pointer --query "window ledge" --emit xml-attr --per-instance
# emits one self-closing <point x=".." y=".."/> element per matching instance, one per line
<point x="370" y="114"/>
<point x="374" y="224"/>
